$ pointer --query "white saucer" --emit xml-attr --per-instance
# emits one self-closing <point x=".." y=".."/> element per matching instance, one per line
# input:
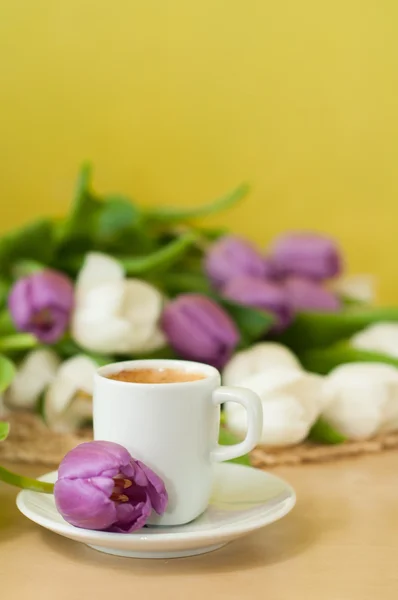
<point x="244" y="499"/>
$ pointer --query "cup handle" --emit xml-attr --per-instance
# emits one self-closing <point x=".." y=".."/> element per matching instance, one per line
<point x="252" y="403"/>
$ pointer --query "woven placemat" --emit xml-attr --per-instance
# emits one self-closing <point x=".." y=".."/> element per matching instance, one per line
<point x="30" y="441"/>
<point x="265" y="458"/>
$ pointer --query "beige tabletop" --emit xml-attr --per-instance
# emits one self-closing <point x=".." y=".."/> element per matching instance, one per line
<point x="339" y="543"/>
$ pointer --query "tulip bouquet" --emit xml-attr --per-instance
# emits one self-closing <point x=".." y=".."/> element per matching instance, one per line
<point x="114" y="280"/>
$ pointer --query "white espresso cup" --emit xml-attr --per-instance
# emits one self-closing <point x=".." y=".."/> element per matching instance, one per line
<point x="173" y="428"/>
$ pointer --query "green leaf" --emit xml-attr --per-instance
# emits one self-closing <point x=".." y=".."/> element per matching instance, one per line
<point x="212" y="234"/>
<point x="312" y="330"/>
<point x="226" y="438"/>
<point x="7" y="326"/>
<point x="5" y="287"/>
<point x="352" y="302"/>
<point x="17" y="342"/>
<point x="83" y="183"/>
<point x="171" y="215"/>
<point x="23" y="268"/>
<point x="34" y="242"/>
<point x="4" y="430"/>
<point x="7" y="372"/>
<point x="67" y="348"/>
<point x="323" y="433"/>
<point x="160" y="259"/>
<point x="112" y="224"/>
<point x="179" y="283"/>
<point x="162" y="353"/>
<point x="251" y="322"/>
<point x="82" y="219"/>
<point x="128" y="242"/>
<point x="323" y="360"/>
<point x="117" y="214"/>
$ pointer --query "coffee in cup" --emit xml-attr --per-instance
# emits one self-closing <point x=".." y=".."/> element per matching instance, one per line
<point x="156" y="376"/>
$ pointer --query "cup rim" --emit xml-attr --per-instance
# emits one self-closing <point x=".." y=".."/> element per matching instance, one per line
<point x="104" y="371"/>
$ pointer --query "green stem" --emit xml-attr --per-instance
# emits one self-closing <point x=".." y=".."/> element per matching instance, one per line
<point x="26" y="482"/>
<point x="170" y="214"/>
<point x="323" y="360"/>
<point x="161" y="258"/>
<point x="18" y="341"/>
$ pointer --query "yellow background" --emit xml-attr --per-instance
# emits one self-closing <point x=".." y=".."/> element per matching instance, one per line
<point x="178" y="101"/>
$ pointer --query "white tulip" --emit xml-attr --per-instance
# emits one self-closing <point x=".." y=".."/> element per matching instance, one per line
<point x="258" y="359"/>
<point x="380" y="337"/>
<point x="114" y="314"/>
<point x="68" y="400"/>
<point x="356" y="287"/>
<point x="291" y="399"/>
<point x="363" y="399"/>
<point x="34" y="374"/>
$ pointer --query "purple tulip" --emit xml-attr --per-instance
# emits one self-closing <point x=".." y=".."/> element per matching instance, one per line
<point x="42" y="304"/>
<point x="306" y="254"/>
<point x="231" y="256"/>
<point x="199" y="329"/>
<point x="262" y="294"/>
<point x="100" y="486"/>
<point x="306" y="295"/>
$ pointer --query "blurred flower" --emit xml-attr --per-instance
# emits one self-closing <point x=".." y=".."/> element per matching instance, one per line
<point x="35" y="373"/>
<point x="291" y="399"/>
<point x="231" y="256"/>
<point x="68" y="400"/>
<point x="199" y="329"/>
<point x="363" y="399"/>
<point x="306" y="254"/>
<point x="357" y="288"/>
<point x="42" y="304"/>
<point x="100" y="486"/>
<point x="306" y="295"/>
<point x="262" y="294"/>
<point x="379" y="337"/>
<point x="259" y="358"/>
<point x="114" y="314"/>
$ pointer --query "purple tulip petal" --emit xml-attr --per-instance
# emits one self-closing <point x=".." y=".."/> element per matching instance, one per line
<point x="231" y="256"/>
<point x="51" y="289"/>
<point x="199" y="329"/>
<point x="83" y="504"/>
<point x="262" y="294"/>
<point x="19" y="303"/>
<point x="270" y="270"/>
<point x="307" y="295"/>
<point x="306" y="254"/>
<point x="52" y="326"/>
<point x="104" y="484"/>
<point x="137" y="474"/>
<point x="156" y="489"/>
<point x="42" y="304"/>
<point x="131" y="517"/>
<point x="92" y="459"/>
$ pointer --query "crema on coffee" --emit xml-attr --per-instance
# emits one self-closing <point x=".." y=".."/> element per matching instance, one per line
<point x="156" y="376"/>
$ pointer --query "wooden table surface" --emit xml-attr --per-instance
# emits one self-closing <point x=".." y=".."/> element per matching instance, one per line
<point x="339" y="543"/>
